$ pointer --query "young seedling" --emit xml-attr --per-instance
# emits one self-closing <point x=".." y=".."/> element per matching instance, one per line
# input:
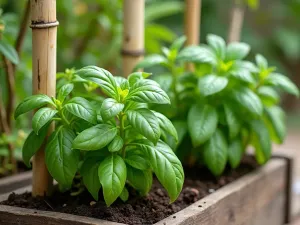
<point x="225" y="105"/>
<point x="108" y="143"/>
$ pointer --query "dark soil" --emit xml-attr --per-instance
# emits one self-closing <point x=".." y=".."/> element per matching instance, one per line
<point x="21" y="168"/>
<point x="138" y="210"/>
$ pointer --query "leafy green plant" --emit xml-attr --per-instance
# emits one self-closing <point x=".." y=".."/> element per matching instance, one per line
<point x="108" y="143"/>
<point x="224" y="105"/>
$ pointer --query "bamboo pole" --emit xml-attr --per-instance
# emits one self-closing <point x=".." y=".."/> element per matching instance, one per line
<point x="192" y="21"/>
<point x="236" y="23"/>
<point x="133" y="34"/>
<point x="44" y="32"/>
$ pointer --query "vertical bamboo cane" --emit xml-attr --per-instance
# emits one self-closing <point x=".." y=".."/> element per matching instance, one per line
<point x="133" y="34"/>
<point x="44" y="31"/>
<point x="236" y="23"/>
<point x="192" y="24"/>
<point x="192" y="21"/>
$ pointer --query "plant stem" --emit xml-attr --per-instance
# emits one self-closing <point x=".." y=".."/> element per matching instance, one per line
<point x="122" y="132"/>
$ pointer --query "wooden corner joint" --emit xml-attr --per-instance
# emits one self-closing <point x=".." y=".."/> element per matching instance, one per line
<point x="43" y="25"/>
<point x="131" y="53"/>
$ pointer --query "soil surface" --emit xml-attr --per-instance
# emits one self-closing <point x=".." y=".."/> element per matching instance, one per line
<point x="21" y="168"/>
<point x="137" y="210"/>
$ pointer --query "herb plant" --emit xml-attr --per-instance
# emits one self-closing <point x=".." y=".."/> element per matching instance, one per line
<point x="108" y="143"/>
<point x="226" y="104"/>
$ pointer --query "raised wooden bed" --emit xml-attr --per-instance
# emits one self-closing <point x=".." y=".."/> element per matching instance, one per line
<point x="259" y="198"/>
<point x="10" y="183"/>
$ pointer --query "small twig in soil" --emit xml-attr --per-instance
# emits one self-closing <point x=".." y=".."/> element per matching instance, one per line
<point x="48" y="204"/>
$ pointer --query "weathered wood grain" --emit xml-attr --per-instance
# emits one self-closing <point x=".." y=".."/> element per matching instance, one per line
<point x="10" y="183"/>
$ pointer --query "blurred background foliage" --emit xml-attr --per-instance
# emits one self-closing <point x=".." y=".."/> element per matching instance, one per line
<point x="90" y="33"/>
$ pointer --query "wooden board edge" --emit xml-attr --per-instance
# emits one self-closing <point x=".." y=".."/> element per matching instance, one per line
<point x="209" y="201"/>
<point x="10" y="183"/>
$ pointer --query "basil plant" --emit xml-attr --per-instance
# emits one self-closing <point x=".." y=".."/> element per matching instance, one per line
<point x="107" y="143"/>
<point x="224" y="105"/>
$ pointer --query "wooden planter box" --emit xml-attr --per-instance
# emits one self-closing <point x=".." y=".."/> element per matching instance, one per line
<point x="10" y="183"/>
<point x="258" y="198"/>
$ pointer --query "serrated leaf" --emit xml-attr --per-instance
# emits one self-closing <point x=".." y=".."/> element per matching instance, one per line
<point x="275" y="119"/>
<point x="9" y="52"/>
<point x="96" y="137"/>
<point x="217" y="44"/>
<point x="101" y="77"/>
<point x="64" y="91"/>
<point x="148" y="91"/>
<point x="32" y="144"/>
<point x="150" y="61"/>
<point x="110" y="108"/>
<point x="282" y="82"/>
<point x="237" y="51"/>
<point x="116" y="144"/>
<point x="139" y="180"/>
<point x="261" y="141"/>
<point x="235" y="153"/>
<point x="202" y="123"/>
<point x="112" y="174"/>
<point x="233" y="122"/>
<point x="41" y="118"/>
<point x="211" y="84"/>
<point x="166" y="125"/>
<point x="248" y="100"/>
<point x="81" y="108"/>
<point x="89" y="172"/>
<point x="215" y="153"/>
<point x="62" y="161"/>
<point x="32" y="102"/>
<point x="145" y="122"/>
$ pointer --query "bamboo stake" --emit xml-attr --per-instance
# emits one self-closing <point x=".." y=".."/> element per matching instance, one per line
<point x="133" y="34"/>
<point x="192" y="21"/>
<point x="236" y="23"/>
<point x="44" y="32"/>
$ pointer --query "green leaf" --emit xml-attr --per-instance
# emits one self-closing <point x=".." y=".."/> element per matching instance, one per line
<point x="178" y="43"/>
<point x="148" y="91"/>
<point x="110" y="108"/>
<point x="233" y="122"/>
<point x="282" y="82"/>
<point x="81" y="108"/>
<point x="62" y="161"/>
<point x="261" y="62"/>
<point x="112" y="175"/>
<point x="42" y="117"/>
<point x="9" y="52"/>
<point x="237" y="51"/>
<point x="261" y="141"/>
<point x="202" y="123"/>
<point x="122" y="82"/>
<point x="197" y="54"/>
<point x="96" y="137"/>
<point x="64" y="91"/>
<point x="101" y="77"/>
<point x="116" y="144"/>
<point x="215" y="153"/>
<point x="89" y="172"/>
<point x="268" y="95"/>
<point x="235" y="153"/>
<point x="32" y="144"/>
<point x="150" y="61"/>
<point x="145" y="122"/>
<point x="166" y="125"/>
<point x="211" y="84"/>
<point x="275" y="118"/>
<point x="167" y="168"/>
<point x="124" y="195"/>
<point x="217" y="44"/>
<point x="164" y="80"/>
<point x="32" y="102"/>
<point x="136" y="159"/>
<point x="139" y="180"/>
<point x="137" y="76"/>
<point x="242" y="74"/>
<point x="249" y="100"/>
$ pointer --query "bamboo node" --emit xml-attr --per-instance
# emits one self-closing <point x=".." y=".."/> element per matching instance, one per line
<point x="43" y="25"/>
<point x="136" y="53"/>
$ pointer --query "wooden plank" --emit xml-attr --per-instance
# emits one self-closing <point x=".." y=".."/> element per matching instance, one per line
<point x="255" y="199"/>
<point x="10" y="183"/>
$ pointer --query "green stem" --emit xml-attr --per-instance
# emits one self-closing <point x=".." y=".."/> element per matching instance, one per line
<point x="122" y="132"/>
